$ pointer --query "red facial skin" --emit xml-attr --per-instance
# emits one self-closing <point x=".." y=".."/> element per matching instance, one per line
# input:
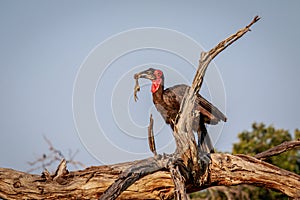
<point x="156" y="82"/>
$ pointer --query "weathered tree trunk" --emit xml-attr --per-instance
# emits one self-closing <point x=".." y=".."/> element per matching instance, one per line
<point x="225" y="169"/>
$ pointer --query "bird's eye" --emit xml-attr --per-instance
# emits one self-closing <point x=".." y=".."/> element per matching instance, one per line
<point x="158" y="73"/>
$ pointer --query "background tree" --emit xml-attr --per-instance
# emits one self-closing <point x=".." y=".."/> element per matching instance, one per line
<point x="252" y="142"/>
<point x="261" y="138"/>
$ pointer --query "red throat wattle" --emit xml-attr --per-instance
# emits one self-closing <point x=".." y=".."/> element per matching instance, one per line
<point x="155" y="85"/>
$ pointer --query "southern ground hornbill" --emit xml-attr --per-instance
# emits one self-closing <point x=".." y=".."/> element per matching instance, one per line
<point x="167" y="102"/>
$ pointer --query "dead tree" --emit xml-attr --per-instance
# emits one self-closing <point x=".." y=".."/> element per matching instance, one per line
<point x="52" y="157"/>
<point x="161" y="176"/>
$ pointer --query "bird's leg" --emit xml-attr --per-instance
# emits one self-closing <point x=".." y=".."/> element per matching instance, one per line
<point x="204" y="142"/>
<point x="204" y="146"/>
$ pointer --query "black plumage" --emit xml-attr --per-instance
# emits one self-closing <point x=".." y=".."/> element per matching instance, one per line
<point x="167" y="102"/>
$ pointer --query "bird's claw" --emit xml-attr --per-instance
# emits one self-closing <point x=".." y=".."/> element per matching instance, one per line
<point x="204" y="157"/>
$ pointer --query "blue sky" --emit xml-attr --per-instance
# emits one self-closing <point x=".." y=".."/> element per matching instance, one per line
<point x="44" y="44"/>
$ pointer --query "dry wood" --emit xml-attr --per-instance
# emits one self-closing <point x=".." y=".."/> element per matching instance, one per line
<point x="288" y="145"/>
<point x="225" y="169"/>
<point x="179" y="183"/>
<point x="183" y="134"/>
<point x="153" y="178"/>
<point x="151" y="137"/>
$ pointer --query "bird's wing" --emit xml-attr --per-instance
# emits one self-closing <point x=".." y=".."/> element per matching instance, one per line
<point x="211" y="113"/>
<point x="215" y="112"/>
<point x="171" y="101"/>
<point x="172" y="96"/>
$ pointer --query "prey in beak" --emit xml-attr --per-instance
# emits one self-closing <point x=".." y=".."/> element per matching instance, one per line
<point x="147" y="74"/>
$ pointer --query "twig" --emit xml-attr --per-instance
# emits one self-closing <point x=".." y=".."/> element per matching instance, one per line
<point x="207" y="57"/>
<point x="51" y="148"/>
<point x="53" y="156"/>
<point x="283" y="147"/>
<point x="61" y="169"/>
<point x="151" y="137"/>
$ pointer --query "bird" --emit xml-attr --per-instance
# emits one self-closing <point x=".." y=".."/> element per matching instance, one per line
<point x="167" y="102"/>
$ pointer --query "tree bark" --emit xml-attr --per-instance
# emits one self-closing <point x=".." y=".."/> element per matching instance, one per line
<point x="90" y="183"/>
<point x="278" y="149"/>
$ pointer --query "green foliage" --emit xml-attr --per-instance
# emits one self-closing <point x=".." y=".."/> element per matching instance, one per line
<point x="261" y="138"/>
<point x="257" y="140"/>
<point x="297" y="134"/>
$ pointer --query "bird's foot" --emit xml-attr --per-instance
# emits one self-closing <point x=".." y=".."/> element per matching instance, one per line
<point x="204" y="158"/>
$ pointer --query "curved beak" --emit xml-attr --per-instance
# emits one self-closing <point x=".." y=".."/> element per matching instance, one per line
<point x="147" y="74"/>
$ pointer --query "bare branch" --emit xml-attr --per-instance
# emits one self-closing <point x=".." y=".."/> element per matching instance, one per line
<point x="90" y="183"/>
<point x="54" y="155"/>
<point x="183" y="134"/>
<point x="179" y="182"/>
<point x="207" y="57"/>
<point x="132" y="174"/>
<point x="61" y="170"/>
<point x="51" y="148"/>
<point x="286" y="146"/>
<point x="151" y="137"/>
